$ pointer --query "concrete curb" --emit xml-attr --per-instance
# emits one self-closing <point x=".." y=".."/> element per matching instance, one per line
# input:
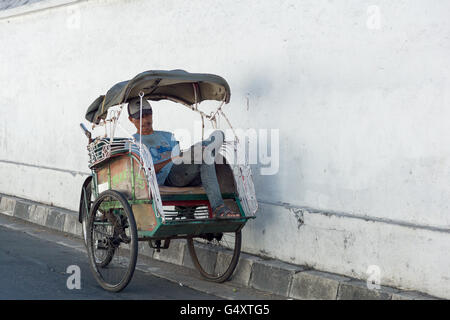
<point x="273" y="276"/>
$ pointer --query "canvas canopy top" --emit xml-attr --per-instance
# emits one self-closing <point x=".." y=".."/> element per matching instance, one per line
<point x="176" y="85"/>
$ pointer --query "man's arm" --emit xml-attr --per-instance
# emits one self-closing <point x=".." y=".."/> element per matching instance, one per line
<point x="175" y="145"/>
<point x="161" y="165"/>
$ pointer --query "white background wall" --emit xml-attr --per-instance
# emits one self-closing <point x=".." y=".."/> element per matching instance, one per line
<point x="361" y="106"/>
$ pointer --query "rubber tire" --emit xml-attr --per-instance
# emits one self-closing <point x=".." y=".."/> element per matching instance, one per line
<point x="228" y="272"/>
<point x="84" y="225"/>
<point x="133" y="246"/>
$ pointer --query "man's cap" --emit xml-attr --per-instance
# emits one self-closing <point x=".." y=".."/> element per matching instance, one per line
<point x="134" y="106"/>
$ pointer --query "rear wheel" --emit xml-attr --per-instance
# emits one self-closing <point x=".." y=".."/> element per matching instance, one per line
<point x="203" y="253"/>
<point x="112" y="241"/>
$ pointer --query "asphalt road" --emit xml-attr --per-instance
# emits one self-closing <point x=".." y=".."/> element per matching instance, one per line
<point x="33" y="267"/>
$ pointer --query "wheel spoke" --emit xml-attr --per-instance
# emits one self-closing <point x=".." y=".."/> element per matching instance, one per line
<point x="112" y="241"/>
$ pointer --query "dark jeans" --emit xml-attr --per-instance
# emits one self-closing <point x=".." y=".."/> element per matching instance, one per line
<point x="189" y="175"/>
<point x="193" y="174"/>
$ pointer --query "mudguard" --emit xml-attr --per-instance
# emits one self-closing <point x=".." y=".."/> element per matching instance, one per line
<point x="85" y="184"/>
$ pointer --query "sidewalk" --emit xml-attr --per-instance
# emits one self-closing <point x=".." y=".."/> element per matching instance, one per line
<point x="276" y="278"/>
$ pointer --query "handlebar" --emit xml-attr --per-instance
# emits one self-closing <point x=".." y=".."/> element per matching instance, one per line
<point x="86" y="132"/>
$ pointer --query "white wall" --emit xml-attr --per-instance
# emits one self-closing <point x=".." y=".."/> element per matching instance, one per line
<point x="361" y="106"/>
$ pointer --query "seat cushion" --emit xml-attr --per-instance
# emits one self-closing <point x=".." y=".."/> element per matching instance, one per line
<point x="165" y="190"/>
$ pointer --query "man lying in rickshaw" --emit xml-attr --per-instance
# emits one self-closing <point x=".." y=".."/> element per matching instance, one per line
<point x="164" y="149"/>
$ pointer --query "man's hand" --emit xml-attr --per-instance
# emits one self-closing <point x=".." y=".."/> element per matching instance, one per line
<point x="161" y="165"/>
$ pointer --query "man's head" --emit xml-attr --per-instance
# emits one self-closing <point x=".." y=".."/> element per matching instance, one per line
<point x="134" y="113"/>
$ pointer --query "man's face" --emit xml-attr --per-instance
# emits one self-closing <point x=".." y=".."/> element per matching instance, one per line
<point x="147" y="124"/>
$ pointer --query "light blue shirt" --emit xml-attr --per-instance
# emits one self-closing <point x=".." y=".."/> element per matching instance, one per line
<point x="162" y="146"/>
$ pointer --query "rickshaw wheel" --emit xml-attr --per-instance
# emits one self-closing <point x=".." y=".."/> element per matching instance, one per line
<point x="112" y="241"/>
<point x="108" y="255"/>
<point x="228" y="244"/>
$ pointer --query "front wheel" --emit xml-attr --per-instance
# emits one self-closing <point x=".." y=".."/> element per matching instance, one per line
<point x="112" y="241"/>
<point x="229" y="246"/>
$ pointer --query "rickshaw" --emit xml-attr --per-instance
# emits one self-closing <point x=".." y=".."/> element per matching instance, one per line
<point x="121" y="202"/>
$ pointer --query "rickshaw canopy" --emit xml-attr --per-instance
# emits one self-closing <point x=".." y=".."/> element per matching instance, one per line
<point x="176" y="85"/>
